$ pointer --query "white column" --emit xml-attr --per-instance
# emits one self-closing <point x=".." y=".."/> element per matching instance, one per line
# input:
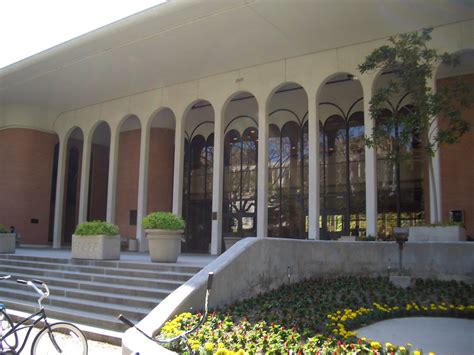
<point x="217" y="182"/>
<point x="262" y="171"/>
<point x="112" y="179"/>
<point x="85" y="169"/>
<point x="59" y="203"/>
<point x="313" y="174"/>
<point x="434" y="172"/>
<point x="178" y="167"/>
<point x="370" y="168"/>
<point x="142" y="186"/>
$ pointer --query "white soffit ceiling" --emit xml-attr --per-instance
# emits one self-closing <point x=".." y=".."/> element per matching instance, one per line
<point x="184" y="40"/>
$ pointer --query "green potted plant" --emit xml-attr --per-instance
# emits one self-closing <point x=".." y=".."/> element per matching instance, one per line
<point x="164" y="231"/>
<point x="7" y="240"/>
<point x="96" y="240"/>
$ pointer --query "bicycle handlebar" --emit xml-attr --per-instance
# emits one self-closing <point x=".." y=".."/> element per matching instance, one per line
<point x="42" y="294"/>
<point x="125" y="320"/>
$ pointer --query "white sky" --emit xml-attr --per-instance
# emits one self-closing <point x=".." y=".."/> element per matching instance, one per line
<point x="31" y="26"/>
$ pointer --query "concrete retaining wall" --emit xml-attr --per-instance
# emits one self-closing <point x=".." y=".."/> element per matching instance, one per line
<point x="256" y="265"/>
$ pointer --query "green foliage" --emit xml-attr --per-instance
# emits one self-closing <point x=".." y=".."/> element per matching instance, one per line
<point x="413" y="62"/>
<point x="4" y="229"/>
<point x="320" y="315"/>
<point x="163" y="220"/>
<point x="96" y="228"/>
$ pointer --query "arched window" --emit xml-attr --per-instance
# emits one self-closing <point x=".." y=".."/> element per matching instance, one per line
<point x="240" y="183"/>
<point x="342" y="163"/>
<point x="288" y="179"/>
<point x="400" y="197"/>
<point x="335" y="201"/>
<point x="197" y="196"/>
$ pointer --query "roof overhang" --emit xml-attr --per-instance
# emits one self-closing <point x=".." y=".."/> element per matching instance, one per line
<point x="185" y="40"/>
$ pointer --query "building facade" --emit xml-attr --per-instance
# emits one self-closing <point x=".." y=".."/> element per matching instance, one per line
<point x="273" y="149"/>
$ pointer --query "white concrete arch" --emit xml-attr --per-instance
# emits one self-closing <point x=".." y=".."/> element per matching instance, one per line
<point x="239" y="111"/>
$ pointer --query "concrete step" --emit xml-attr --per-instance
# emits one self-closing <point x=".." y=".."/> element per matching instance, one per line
<point x="82" y="317"/>
<point x="91" y="292"/>
<point x="125" y="290"/>
<point x="30" y="272"/>
<point x="115" y="298"/>
<point x="107" y="263"/>
<point x="151" y="274"/>
<point x="76" y="304"/>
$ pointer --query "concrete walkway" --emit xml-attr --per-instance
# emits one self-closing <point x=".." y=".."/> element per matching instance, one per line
<point x="183" y="259"/>
<point x="443" y="336"/>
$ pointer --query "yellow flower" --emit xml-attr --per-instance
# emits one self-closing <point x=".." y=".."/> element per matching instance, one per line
<point x="431" y="353"/>
<point x="208" y="346"/>
<point x="416" y="352"/>
<point x="402" y="348"/>
<point x="376" y="345"/>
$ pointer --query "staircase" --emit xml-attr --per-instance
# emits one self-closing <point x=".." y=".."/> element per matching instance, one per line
<point x="89" y="292"/>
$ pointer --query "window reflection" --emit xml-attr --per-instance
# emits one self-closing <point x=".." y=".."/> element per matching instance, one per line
<point x="288" y="180"/>
<point x="399" y="184"/>
<point x="197" y="192"/>
<point x="240" y="183"/>
<point x="342" y="164"/>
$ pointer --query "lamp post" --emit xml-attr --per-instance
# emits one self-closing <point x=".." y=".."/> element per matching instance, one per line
<point x="401" y="236"/>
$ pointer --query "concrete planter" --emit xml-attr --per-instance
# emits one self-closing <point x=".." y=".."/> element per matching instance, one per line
<point x="436" y="234"/>
<point x="132" y="245"/>
<point x="164" y="245"/>
<point x="96" y="247"/>
<point x="7" y="243"/>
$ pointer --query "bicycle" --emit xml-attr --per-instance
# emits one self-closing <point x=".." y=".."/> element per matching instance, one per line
<point x="182" y="336"/>
<point x="6" y="324"/>
<point x="53" y="338"/>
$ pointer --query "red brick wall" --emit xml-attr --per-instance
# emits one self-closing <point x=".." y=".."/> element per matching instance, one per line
<point x="26" y="165"/>
<point x="98" y="183"/>
<point x="160" y="170"/>
<point x="160" y="175"/>
<point x="127" y="180"/>
<point x="457" y="170"/>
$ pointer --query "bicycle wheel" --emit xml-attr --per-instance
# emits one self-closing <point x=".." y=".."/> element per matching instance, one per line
<point x="11" y="341"/>
<point x="64" y="338"/>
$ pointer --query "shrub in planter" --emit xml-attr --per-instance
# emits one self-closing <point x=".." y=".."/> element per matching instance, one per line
<point x="163" y="220"/>
<point x="97" y="240"/>
<point x="3" y="229"/>
<point x="7" y="240"/>
<point x="164" y="231"/>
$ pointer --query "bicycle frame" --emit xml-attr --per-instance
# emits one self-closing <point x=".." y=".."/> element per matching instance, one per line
<point x="41" y="316"/>
<point x="21" y="325"/>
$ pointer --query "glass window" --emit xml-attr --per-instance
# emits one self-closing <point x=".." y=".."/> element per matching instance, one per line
<point x="240" y="183"/>
<point x="288" y="180"/>
<point x="399" y="183"/>
<point x="342" y="164"/>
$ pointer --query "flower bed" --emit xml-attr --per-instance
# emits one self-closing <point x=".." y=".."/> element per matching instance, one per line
<point x="319" y="316"/>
